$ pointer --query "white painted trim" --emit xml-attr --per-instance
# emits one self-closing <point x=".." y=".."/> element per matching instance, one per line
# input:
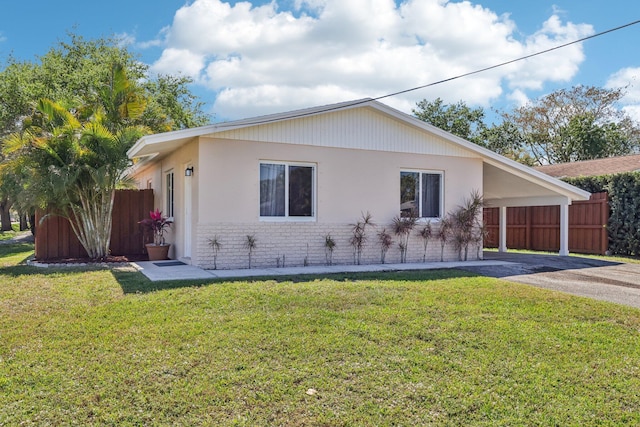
<point x="528" y="201"/>
<point x="165" y="194"/>
<point x="188" y="212"/>
<point x="420" y="172"/>
<point x="564" y="230"/>
<point x="502" y="245"/>
<point x="314" y="191"/>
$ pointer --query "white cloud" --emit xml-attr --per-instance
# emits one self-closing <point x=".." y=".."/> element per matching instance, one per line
<point x="264" y="59"/>
<point x="632" y="111"/>
<point x="518" y="97"/>
<point x="179" y="61"/>
<point x="629" y="80"/>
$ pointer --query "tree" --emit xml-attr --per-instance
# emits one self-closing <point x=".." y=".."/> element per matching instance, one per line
<point x="71" y="73"/>
<point x="77" y="157"/>
<point x="580" y="123"/>
<point x="458" y="119"/>
<point x="506" y="140"/>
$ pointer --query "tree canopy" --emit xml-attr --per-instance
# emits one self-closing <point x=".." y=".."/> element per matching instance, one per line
<point x="581" y="123"/>
<point x="78" y="75"/>
<point x="458" y="119"/>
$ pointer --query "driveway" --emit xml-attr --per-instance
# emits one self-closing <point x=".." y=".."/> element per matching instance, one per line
<point x="598" y="279"/>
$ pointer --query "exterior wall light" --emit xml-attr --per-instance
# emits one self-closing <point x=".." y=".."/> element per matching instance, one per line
<point x="188" y="171"/>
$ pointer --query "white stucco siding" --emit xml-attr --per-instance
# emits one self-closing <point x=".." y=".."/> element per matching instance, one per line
<point x="360" y="128"/>
<point x="154" y="174"/>
<point x="348" y="181"/>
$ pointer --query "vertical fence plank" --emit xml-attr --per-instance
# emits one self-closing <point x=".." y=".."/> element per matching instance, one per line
<point x="55" y="238"/>
<point x="587" y="226"/>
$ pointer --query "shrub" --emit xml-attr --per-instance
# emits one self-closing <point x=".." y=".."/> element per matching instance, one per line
<point x="624" y="205"/>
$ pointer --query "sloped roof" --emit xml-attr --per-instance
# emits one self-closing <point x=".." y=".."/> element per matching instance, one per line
<point x="506" y="182"/>
<point x="597" y="167"/>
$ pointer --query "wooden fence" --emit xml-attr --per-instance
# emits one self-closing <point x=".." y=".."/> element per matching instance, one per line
<point x="538" y="227"/>
<point x="55" y="238"/>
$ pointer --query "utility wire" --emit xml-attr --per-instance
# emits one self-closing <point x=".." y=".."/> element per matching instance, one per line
<point x="502" y="64"/>
<point x="364" y="101"/>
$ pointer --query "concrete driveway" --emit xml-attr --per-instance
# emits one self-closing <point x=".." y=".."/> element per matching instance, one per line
<point x="598" y="279"/>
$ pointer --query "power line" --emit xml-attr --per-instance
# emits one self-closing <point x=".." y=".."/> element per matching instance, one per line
<point x="522" y="58"/>
<point x="502" y="64"/>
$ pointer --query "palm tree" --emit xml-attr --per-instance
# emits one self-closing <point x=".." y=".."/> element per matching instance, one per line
<point x="402" y="226"/>
<point x="443" y="234"/>
<point x="77" y="158"/>
<point x="463" y="220"/>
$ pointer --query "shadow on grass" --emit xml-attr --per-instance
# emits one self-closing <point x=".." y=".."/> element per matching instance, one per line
<point x="136" y="282"/>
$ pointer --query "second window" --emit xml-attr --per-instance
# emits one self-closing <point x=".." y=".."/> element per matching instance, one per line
<point x="287" y="190"/>
<point x="421" y="194"/>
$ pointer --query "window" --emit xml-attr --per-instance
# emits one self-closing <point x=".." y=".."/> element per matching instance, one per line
<point x="169" y="195"/>
<point x="421" y="192"/>
<point x="287" y="190"/>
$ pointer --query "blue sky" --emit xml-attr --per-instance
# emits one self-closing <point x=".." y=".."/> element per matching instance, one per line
<point x="263" y="57"/>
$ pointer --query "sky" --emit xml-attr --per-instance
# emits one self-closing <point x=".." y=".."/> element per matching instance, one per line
<point x="262" y="57"/>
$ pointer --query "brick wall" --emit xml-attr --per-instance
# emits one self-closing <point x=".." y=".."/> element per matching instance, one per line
<point x="297" y="241"/>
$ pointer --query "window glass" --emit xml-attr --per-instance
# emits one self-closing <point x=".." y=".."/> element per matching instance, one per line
<point x="168" y="210"/>
<point x="300" y="191"/>
<point x="272" y="189"/>
<point x="409" y="193"/>
<point x="430" y="195"/>
<point x="286" y="190"/>
<point x="420" y="194"/>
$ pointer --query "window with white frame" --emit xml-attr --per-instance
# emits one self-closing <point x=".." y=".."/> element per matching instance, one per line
<point x="169" y="195"/>
<point x="287" y="190"/>
<point x="421" y="193"/>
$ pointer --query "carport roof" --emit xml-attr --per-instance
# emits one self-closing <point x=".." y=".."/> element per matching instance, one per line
<point x="505" y="182"/>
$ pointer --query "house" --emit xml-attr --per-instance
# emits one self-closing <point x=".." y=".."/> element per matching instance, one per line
<point x="596" y="167"/>
<point x="291" y="179"/>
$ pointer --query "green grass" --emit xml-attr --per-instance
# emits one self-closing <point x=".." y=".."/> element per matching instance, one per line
<point x="102" y="347"/>
<point x="8" y="235"/>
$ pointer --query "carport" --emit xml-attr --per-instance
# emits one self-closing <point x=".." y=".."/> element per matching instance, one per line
<point x="510" y="184"/>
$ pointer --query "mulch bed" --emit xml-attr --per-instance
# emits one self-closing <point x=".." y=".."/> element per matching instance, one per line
<point x="111" y="259"/>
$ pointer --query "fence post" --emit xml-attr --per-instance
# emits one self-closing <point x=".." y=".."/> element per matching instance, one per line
<point x="502" y="236"/>
<point x="604" y="232"/>
<point x="564" y="229"/>
<point x="527" y="230"/>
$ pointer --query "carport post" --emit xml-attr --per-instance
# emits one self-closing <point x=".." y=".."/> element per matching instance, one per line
<point x="502" y="245"/>
<point x="564" y="229"/>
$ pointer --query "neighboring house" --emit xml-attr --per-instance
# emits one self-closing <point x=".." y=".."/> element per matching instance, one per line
<point x="597" y="167"/>
<point x="290" y="179"/>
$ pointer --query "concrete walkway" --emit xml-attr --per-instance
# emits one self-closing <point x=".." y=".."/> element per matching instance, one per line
<point x="166" y="270"/>
<point x="588" y="277"/>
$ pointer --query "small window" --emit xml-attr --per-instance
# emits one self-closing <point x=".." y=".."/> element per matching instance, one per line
<point x="287" y="190"/>
<point x="421" y="193"/>
<point x="169" y="195"/>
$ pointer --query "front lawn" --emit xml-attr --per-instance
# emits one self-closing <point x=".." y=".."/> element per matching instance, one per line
<point x="7" y="235"/>
<point x="102" y="347"/>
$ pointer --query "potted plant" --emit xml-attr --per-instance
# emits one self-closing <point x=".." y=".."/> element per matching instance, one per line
<point x="157" y="223"/>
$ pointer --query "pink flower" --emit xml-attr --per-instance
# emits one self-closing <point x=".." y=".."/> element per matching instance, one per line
<point x="157" y="224"/>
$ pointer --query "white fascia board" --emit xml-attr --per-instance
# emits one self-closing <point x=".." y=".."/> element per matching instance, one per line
<point x="528" y="201"/>
<point x="159" y="138"/>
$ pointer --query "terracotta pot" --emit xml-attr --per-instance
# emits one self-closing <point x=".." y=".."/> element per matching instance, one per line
<point x="157" y="252"/>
